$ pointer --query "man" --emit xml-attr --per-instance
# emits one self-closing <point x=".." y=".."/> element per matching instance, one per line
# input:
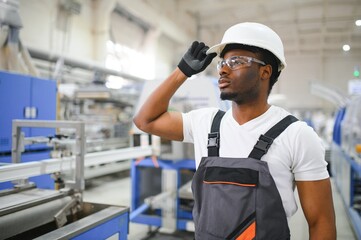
<point x="247" y="164"/>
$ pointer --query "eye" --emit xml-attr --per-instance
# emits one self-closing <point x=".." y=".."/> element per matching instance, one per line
<point x="234" y="62"/>
<point x="238" y="61"/>
<point x="222" y="63"/>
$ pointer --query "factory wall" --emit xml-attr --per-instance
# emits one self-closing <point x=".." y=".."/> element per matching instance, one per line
<point x="334" y="71"/>
<point x="45" y="29"/>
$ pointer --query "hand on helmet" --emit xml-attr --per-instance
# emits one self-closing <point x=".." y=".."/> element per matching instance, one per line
<point x="195" y="60"/>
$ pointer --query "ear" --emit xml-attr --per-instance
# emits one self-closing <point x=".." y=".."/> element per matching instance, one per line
<point x="266" y="72"/>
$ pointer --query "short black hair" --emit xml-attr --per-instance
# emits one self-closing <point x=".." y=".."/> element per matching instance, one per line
<point x="263" y="55"/>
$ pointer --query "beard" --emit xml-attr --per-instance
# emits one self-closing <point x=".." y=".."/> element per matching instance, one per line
<point x="228" y="95"/>
<point x="242" y="97"/>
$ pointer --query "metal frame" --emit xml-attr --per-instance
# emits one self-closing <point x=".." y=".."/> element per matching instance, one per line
<point x="172" y="217"/>
<point x="78" y="182"/>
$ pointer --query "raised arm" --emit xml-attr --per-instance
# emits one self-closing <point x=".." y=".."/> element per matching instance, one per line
<point x="153" y="117"/>
<point x="317" y="205"/>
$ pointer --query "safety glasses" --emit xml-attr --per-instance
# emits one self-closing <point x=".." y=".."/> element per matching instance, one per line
<point x="237" y="62"/>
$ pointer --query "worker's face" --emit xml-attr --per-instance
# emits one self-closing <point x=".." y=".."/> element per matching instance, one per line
<point x="241" y="85"/>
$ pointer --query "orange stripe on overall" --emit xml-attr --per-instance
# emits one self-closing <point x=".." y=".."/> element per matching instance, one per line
<point x="249" y="233"/>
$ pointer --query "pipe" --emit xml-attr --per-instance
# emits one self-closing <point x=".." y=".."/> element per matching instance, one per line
<point x="138" y="211"/>
<point x="51" y="57"/>
<point x="328" y="93"/>
<point x="27" y="60"/>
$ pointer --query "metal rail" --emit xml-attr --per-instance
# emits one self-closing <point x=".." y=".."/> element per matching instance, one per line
<point x="29" y="169"/>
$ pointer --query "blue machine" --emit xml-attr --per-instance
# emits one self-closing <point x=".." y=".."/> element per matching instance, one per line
<point x="26" y="97"/>
<point x="147" y="182"/>
<point x="336" y="137"/>
<point x="346" y="172"/>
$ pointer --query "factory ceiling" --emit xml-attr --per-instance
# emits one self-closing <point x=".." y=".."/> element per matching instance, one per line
<point x="306" y="26"/>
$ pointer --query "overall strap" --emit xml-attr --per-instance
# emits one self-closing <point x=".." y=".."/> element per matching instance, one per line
<point x="265" y="140"/>
<point x="214" y="135"/>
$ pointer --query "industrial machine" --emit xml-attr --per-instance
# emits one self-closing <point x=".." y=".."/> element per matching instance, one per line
<point x="346" y="159"/>
<point x="351" y="129"/>
<point x="161" y="193"/>
<point x="345" y="148"/>
<point x="32" y="83"/>
<point x="161" y="182"/>
<point x="26" y="97"/>
<point x="27" y="212"/>
<point x="107" y="118"/>
<point x="107" y="124"/>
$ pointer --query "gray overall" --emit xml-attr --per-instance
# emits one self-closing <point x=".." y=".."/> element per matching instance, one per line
<point x="236" y="198"/>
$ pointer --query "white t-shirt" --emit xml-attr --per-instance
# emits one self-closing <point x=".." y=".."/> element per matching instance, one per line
<point x="297" y="154"/>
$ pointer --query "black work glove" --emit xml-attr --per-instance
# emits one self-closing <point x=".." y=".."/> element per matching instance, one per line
<point x="195" y="60"/>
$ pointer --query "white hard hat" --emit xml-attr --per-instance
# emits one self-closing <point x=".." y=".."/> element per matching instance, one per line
<point x="252" y="34"/>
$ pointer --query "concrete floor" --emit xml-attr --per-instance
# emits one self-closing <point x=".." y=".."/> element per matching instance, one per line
<point x="116" y="190"/>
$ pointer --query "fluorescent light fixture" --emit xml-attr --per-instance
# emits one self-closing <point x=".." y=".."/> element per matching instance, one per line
<point x="358" y="22"/>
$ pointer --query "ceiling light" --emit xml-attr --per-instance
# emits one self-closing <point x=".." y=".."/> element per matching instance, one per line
<point x="346" y="47"/>
<point x="358" y="22"/>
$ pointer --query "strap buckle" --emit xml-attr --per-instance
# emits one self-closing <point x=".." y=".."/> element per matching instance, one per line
<point x="264" y="143"/>
<point x="213" y="140"/>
